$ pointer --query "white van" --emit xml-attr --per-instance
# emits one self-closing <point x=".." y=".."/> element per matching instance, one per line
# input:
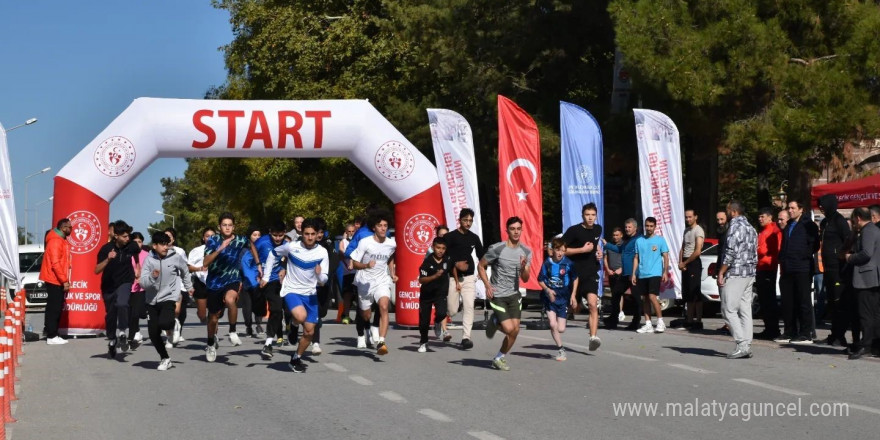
<point x="30" y="258"/>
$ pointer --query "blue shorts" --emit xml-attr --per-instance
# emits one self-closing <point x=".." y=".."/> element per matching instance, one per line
<point x="559" y="308"/>
<point x="309" y="302"/>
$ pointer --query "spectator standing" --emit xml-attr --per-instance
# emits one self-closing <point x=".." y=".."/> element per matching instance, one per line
<point x="736" y="278"/>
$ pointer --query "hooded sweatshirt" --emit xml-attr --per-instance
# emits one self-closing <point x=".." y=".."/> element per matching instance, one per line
<point x="165" y="287"/>
<point x="834" y="232"/>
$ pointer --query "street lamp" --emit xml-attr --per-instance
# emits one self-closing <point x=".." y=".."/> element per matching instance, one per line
<point x="167" y="215"/>
<point x="26" y="191"/>
<point x="28" y="122"/>
<point x="37" y="214"/>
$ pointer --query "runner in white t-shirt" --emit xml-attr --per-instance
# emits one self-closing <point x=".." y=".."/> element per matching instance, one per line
<point x="375" y="278"/>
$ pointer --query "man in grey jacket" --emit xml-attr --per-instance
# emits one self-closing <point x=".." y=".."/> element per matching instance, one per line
<point x="159" y="277"/>
<point x="737" y="277"/>
<point x="866" y="279"/>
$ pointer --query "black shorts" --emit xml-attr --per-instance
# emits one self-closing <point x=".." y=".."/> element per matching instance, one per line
<point x="348" y="284"/>
<point x="588" y="283"/>
<point x="200" y="289"/>
<point x="650" y="286"/>
<point x="690" y="281"/>
<point x="216" y="297"/>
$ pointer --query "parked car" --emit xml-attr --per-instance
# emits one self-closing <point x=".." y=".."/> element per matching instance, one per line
<point x="709" y="277"/>
<point x="30" y="258"/>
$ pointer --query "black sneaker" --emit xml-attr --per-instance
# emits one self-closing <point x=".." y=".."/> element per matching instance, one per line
<point x="133" y="345"/>
<point x="800" y="340"/>
<point x="267" y="353"/>
<point x="696" y="326"/>
<point x="466" y="344"/>
<point x="111" y="349"/>
<point x="249" y="332"/>
<point x="123" y="343"/>
<point x="297" y="365"/>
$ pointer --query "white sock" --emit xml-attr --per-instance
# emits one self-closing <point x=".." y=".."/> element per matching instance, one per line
<point x="499" y="355"/>
<point x="381" y="339"/>
<point x="269" y="341"/>
<point x="295" y="356"/>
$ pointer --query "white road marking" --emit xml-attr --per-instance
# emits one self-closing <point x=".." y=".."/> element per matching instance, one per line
<point x="631" y="356"/>
<point x="434" y="415"/>
<point x="484" y="435"/>
<point x="864" y="408"/>
<point x="392" y="396"/>
<point x="772" y="387"/>
<point x="361" y="380"/>
<point x="336" y="367"/>
<point x="690" y="368"/>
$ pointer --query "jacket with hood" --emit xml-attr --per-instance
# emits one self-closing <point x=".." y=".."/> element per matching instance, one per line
<point x="172" y="269"/>
<point x="834" y="232"/>
<point x="800" y="240"/>
<point x="55" y="268"/>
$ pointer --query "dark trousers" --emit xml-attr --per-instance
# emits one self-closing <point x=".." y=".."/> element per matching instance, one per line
<point x="272" y="293"/>
<point x="618" y="284"/>
<point x="869" y="315"/>
<point x="54" y="306"/>
<point x="161" y="318"/>
<point x="117" y="308"/>
<point x="184" y="302"/>
<point x="839" y="306"/>
<point x="765" y="284"/>
<point x="246" y="303"/>
<point x="138" y="306"/>
<point x="636" y="294"/>
<point x="797" y="306"/>
<point x="425" y="304"/>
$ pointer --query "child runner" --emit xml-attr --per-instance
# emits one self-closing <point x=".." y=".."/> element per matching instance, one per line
<point x="434" y="277"/>
<point x="558" y="279"/>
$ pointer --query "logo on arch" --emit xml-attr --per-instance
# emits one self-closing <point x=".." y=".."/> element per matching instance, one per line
<point x="115" y="156"/>
<point x="85" y="232"/>
<point x="419" y="232"/>
<point x="394" y="161"/>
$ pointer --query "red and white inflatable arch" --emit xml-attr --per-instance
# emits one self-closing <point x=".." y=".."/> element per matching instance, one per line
<point x="151" y="128"/>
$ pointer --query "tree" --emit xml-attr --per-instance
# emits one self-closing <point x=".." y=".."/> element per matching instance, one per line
<point x="794" y="80"/>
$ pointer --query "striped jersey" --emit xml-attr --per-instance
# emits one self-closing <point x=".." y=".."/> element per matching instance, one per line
<point x="301" y="261"/>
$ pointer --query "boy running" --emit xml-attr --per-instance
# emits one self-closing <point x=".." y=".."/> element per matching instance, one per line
<point x="374" y="260"/>
<point x="159" y="277"/>
<point x="558" y="279"/>
<point x="307" y="267"/>
<point x="434" y="277"/>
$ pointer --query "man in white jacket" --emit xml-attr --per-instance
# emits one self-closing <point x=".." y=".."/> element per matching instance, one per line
<point x="160" y="277"/>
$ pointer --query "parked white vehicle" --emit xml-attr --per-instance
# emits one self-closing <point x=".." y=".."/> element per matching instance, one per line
<point x="30" y="258"/>
<point x="708" y="281"/>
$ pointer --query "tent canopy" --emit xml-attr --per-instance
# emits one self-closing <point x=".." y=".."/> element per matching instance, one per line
<point x="853" y="194"/>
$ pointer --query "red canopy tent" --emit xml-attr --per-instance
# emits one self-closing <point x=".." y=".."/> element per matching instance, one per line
<point x="852" y="194"/>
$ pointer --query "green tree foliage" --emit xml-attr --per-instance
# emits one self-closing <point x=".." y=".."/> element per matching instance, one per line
<point x="404" y="57"/>
<point x="793" y="80"/>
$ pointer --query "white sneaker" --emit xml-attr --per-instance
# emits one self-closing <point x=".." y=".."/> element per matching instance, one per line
<point x="661" y="327"/>
<point x="175" y="339"/>
<point x="165" y="364"/>
<point x="647" y="328"/>
<point x="621" y="316"/>
<point x="423" y="348"/>
<point x="168" y="344"/>
<point x="210" y="353"/>
<point x="57" y="340"/>
<point x="362" y="342"/>
<point x="316" y="349"/>
<point x="139" y="337"/>
<point x="595" y="342"/>
<point x="374" y="333"/>
<point x="234" y="339"/>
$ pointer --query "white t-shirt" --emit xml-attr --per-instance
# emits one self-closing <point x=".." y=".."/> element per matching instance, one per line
<point x="369" y="249"/>
<point x="197" y="258"/>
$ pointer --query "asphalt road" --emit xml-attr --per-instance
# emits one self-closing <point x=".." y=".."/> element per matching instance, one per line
<point x="75" y="391"/>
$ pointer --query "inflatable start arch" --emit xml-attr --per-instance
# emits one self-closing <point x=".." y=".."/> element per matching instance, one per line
<point x="151" y="128"/>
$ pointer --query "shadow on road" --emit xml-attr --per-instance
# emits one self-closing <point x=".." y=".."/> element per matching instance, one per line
<point x="479" y="363"/>
<point x="532" y="355"/>
<point x="552" y="349"/>
<point x="698" y="351"/>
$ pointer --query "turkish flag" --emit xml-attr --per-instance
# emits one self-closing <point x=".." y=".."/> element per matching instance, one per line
<point x="519" y="180"/>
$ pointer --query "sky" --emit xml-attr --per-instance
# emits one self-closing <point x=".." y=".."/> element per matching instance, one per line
<point x="75" y="66"/>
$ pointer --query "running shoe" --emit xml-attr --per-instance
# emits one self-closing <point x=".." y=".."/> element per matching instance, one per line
<point x="446" y="336"/>
<point x="57" y="340"/>
<point x="175" y="338"/>
<point x="362" y="342"/>
<point x="316" y="349"/>
<point x="381" y="348"/>
<point x="466" y="344"/>
<point x="374" y="333"/>
<point x="138" y="337"/>
<point x="595" y="342"/>
<point x="560" y="355"/>
<point x="234" y="339"/>
<point x="111" y="349"/>
<point x="133" y="344"/>
<point x="168" y="344"/>
<point x="346" y="320"/>
<point x="500" y="364"/>
<point x="211" y="353"/>
<point x="261" y="334"/>
<point x="165" y="364"/>
<point x="660" y="327"/>
<point x="280" y="342"/>
<point x="621" y="316"/>
<point x="423" y="348"/>
<point x="297" y="365"/>
<point x="491" y="327"/>
<point x="647" y="328"/>
<point x="123" y="343"/>
<point x="438" y="329"/>
<point x="267" y="353"/>
<point x="249" y="332"/>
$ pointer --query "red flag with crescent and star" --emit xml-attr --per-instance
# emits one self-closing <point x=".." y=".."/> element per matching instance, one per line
<point x="519" y="180"/>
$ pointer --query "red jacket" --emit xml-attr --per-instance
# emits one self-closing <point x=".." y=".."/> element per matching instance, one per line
<point x="56" y="260"/>
<point x="769" y="244"/>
